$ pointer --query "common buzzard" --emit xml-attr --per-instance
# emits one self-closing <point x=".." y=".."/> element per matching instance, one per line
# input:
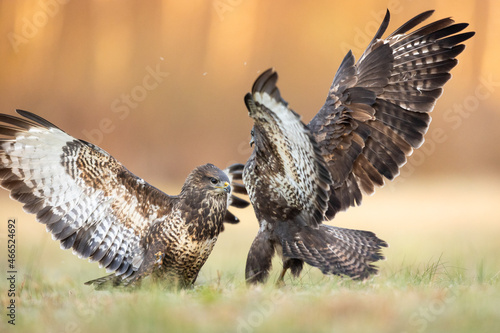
<point x="94" y="205"/>
<point x="376" y="113"/>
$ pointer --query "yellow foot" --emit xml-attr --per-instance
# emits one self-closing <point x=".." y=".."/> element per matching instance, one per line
<point x="280" y="283"/>
<point x="159" y="258"/>
<point x="281" y="280"/>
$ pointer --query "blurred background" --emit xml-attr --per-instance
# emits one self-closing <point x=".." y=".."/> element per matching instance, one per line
<point x="160" y="84"/>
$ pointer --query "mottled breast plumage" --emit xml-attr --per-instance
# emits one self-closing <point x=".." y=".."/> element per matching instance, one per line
<point x="92" y="204"/>
<point x="376" y="112"/>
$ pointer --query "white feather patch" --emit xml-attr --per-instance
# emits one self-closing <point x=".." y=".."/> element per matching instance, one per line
<point x="298" y="158"/>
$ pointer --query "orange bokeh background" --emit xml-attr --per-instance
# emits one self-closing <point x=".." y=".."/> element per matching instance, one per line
<point x="87" y="67"/>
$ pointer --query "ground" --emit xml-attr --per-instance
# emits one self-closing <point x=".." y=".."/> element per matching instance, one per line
<point x="442" y="273"/>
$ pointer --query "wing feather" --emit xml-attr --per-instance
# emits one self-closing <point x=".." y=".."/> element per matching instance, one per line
<point x="289" y="158"/>
<point x="398" y="79"/>
<point x="235" y="173"/>
<point x="87" y="200"/>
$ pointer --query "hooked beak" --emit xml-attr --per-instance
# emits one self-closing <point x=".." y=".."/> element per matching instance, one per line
<point x="252" y="142"/>
<point x="225" y="188"/>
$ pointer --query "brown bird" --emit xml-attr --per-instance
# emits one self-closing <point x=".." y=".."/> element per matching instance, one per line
<point x="375" y="114"/>
<point x="92" y="204"/>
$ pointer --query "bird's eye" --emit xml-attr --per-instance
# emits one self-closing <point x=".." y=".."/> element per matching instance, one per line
<point x="213" y="180"/>
<point x="252" y="133"/>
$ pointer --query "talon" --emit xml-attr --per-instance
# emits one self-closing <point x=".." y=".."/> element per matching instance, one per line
<point x="159" y="258"/>
<point x="280" y="283"/>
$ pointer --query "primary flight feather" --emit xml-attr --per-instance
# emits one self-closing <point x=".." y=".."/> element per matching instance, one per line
<point x="92" y="204"/>
<point x="375" y="114"/>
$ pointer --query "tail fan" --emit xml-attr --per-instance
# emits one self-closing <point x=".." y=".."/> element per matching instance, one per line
<point x="337" y="251"/>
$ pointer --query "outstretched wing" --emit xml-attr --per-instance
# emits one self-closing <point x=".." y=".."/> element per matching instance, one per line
<point x="286" y="167"/>
<point x="87" y="199"/>
<point x="377" y="110"/>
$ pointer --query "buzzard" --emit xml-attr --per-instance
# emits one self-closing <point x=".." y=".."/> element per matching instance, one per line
<point x="375" y="114"/>
<point x="92" y="204"/>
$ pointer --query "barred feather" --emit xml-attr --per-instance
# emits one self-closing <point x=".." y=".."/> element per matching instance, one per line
<point x="376" y="113"/>
<point x="92" y="204"/>
<point x="336" y="250"/>
<point x="402" y="77"/>
<point x="235" y="172"/>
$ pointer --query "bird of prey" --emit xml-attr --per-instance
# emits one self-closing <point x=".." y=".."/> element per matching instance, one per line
<point x="375" y="114"/>
<point x="92" y="204"/>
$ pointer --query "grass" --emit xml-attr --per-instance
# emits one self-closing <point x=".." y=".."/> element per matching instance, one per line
<point x="442" y="273"/>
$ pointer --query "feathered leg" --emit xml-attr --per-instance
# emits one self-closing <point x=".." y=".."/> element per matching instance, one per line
<point x="295" y="266"/>
<point x="259" y="260"/>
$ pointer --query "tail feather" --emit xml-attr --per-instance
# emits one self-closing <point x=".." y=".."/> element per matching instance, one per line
<point x="234" y="172"/>
<point x="336" y="250"/>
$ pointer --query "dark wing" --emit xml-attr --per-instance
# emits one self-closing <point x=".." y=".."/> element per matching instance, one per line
<point x="87" y="200"/>
<point x="377" y="110"/>
<point x="235" y="172"/>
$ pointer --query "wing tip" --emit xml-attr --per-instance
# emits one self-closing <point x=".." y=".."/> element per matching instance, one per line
<point x="36" y="118"/>
<point x="266" y="83"/>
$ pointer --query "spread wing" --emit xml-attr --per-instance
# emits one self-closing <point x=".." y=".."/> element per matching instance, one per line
<point x="286" y="175"/>
<point x="87" y="199"/>
<point x="377" y="110"/>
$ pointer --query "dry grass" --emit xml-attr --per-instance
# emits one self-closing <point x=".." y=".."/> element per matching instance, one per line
<point x="442" y="273"/>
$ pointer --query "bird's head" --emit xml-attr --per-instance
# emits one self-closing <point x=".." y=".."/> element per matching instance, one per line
<point x="207" y="178"/>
